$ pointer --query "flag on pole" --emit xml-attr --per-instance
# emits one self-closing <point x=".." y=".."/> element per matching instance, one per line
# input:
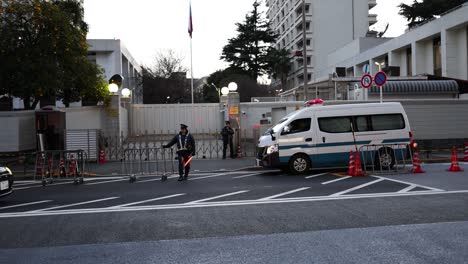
<point x="190" y="25"/>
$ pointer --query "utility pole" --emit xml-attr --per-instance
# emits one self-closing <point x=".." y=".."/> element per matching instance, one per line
<point x="304" y="48"/>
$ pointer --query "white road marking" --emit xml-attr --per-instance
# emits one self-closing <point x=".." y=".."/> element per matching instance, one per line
<point x="336" y="180"/>
<point x="216" y="197"/>
<point x="149" y="200"/>
<point x="70" y="205"/>
<point x="103" y="182"/>
<point x="40" y="186"/>
<point x="212" y="176"/>
<point x="283" y="194"/>
<point x="316" y="175"/>
<point x="248" y="175"/>
<point x="25" y="184"/>
<point x="408" y="183"/>
<point x="25" y="204"/>
<point x="356" y="188"/>
<point x="407" y="189"/>
<point x="155" y="179"/>
<point x="227" y="203"/>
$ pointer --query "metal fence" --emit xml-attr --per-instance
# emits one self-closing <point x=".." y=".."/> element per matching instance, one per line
<point x="148" y="162"/>
<point x="386" y="158"/>
<point x="209" y="144"/>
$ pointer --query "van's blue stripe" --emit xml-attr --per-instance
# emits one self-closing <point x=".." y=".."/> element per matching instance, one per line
<point x="398" y="140"/>
<point x="324" y="145"/>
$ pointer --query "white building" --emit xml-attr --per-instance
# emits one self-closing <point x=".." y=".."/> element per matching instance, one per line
<point x="330" y="24"/>
<point x="424" y="55"/>
<point x="114" y="58"/>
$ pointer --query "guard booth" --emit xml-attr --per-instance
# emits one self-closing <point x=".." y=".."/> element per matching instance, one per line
<point x="50" y="128"/>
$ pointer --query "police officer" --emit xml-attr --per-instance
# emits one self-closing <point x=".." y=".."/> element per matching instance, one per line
<point x="185" y="150"/>
<point x="227" y="134"/>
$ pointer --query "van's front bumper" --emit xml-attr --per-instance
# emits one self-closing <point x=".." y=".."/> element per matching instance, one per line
<point x="269" y="160"/>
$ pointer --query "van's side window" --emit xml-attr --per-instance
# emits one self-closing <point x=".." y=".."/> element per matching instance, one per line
<point x="388" y="122"/>
<point x="299" y="125"/>
<point x="340" y="124"/>
<point x="362" y="124"/>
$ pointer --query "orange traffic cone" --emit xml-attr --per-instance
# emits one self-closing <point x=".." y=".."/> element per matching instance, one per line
<point x="239" y="151"/>
<point x="357" y="169"/>
<point x="455" y="167"/>
<point x="466" y="152"/>
<point x="351" y="164"/>
<point x="416" y="164"/>
<point x="62" y="171"/>
<point x="72" y="168"/>
<point x="102" y="157"/>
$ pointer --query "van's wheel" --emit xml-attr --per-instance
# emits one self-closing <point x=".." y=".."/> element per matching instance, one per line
<point x="385" y="159"/>
<point x="299" y="164"/>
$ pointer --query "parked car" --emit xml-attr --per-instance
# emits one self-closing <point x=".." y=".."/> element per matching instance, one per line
<point x="6" y="181"/>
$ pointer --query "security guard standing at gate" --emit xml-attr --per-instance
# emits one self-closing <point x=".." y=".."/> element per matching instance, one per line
<point x="185" y="150"/>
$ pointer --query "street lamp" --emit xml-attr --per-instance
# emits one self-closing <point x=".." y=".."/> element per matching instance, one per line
<point x="113" y="88"/>
<point x="380" y="65"/>
<point x="224" y="91"/>
<point x="232" y="87"/>
<point x="125" y="93"/>
<point x="335" y="75"/>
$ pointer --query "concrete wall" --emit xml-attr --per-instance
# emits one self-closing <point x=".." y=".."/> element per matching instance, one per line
<point x="91" y="117"/>
<point x="167" y="117"/>
<point x="438" y="119"/>
<point x="429" y="119"/>
<point x="17" y="131"/>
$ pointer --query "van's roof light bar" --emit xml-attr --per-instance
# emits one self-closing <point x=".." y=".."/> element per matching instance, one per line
<point x="313" y="102"/>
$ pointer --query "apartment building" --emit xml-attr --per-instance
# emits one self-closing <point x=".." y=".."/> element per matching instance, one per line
<point x="330" y="25"/>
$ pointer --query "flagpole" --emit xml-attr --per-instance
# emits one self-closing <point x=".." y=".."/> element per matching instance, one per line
<point x="191" y="66"/>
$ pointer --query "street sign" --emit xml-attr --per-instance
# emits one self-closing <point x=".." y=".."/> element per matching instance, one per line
<point x="366" y="69"/>
<point x="380" y="79"/>
<point x="366" y="81"/>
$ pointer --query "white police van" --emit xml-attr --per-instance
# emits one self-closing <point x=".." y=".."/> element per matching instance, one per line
<point x="322" y="136"/>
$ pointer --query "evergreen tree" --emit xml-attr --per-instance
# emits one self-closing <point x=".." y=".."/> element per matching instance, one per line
<point x="249" y="50"/>
<point x="279" y="62"/>
<point x="420" y="12"/>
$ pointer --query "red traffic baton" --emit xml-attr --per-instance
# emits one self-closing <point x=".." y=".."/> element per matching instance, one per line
<point x="188" y="161"/>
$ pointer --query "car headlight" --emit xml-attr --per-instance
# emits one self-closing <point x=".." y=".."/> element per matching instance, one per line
<point x="5" y="169"/>
<point x="272" y="149"/>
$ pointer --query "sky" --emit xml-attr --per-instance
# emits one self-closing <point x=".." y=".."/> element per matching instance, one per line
<point x="150" y="26"/>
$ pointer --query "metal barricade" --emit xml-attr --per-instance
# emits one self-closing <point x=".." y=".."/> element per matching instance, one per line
<point x="386" y="158"/>
<point x="60" y="164"/>
<point x="148" y="162"/>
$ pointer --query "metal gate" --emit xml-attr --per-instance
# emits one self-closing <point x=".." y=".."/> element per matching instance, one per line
<point x="85" y="139"/>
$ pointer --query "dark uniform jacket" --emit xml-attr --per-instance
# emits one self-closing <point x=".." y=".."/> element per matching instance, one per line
<point x="185" y="144"/>
<point x="227" y="133"/>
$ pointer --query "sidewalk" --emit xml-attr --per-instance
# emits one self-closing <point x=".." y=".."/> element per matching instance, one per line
<point x="198" y="165"/>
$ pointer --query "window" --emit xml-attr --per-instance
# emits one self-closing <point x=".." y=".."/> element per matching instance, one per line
<point x="298" y="126"/>
<point x="437" y="57"/>
<point x="340" y="124"/>
<point x="362" y="124"/>
<point x="387" y="122"/>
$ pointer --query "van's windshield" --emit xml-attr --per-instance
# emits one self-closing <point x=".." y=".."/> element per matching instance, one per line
<point x="276" y="127"/>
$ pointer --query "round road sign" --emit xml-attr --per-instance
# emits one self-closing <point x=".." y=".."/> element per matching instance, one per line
<point x="380" y="79"/>
<point x="366" y="81"/>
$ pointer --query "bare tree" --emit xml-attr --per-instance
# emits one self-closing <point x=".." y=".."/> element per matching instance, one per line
<point x="168" y="62"/>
